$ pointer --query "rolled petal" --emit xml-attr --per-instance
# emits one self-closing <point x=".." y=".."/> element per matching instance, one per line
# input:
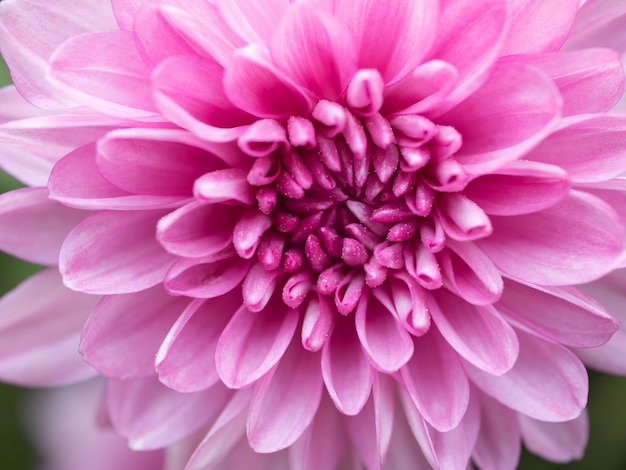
<point x="39" y="349"/>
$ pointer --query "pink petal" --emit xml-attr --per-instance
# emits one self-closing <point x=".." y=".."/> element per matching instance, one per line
<point x="285" y="401"/>
<point x="315" y="50"/>
<point x="29" y="33"/>
<point x="229" y="185"/>
<point x="151" y="415"/>
<point x="575" y="241"/>
<point x="253" y="342"/>
<point x="564" y="314"/>
<point x="253" y="20"/>
<point x="392" y="37"/>
<point x="403" y="448"/>
<point x="547" y="382"/>
<point x="539" y="26"/>
<point x="590" y="148"/>
<point x="599" y="23"/>
<point x="346" y="371"/>
<point x="387" y="344"/>
<point x="436" y="382"/>
<point x="125" y="11"/>
<point x="186" y="360"/>
<point x="104" y="72"/>
<point x="254" y="85"/>
<point x="114" y="253"/>
<point x="27" y="168"/>
<point x="557" y="442"/>
<point x="123" y="332"/>
<point x="525" y="106"/>
<point x="470" y="36"/>
<point x="184" y="232"/>
<point x="33" y="226"/>
<point x="36" y="348"/>
<point x="479" y="334"/>
<point x="498" y="444"/>
<point x="318" y="322"/>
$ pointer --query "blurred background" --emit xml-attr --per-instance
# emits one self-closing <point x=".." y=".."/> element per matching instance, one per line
<point x="607" y="404"/>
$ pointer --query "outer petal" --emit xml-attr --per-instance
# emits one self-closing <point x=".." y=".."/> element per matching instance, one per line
<point x="600" y="23"/>
<point x="33" y="226"/>
<point x="254" y="20"/>
<point x="575" y="241"/>
<point x="557" y="442"/>
<point x="36" y="348"/>
<point x="114" y="253"/>
<point x="123" y="332"/>
<point x="547" y="382"/>
<point x="125" y="11"/>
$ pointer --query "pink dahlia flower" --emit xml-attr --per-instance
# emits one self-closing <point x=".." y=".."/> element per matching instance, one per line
<point x="311" y="234"/>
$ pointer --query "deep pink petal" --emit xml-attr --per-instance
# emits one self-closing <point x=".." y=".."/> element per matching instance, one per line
<point x="524" y="107"/>
<point x="577" y="240"/>
<point x="547" y="382"/>
<point x="521" y="187"/>
<point x="346" y="371"/>
<point x="186" y="360"/>
<point x="539" y="26"/>
<point x="589" y="148"/>
<point x="557" y="442"/>
<point x="562" y="314"/>
<point x="124" y="332"/>
<point x="479" y="334"/>
<point x="315" y="49"/>
<point x="30" y="32"/>
<point x="114" y="253"/>
<point x="151" y="415"/>
<point x="104" y="72"/>
<point x="436" y="381"/>
<point x="34" y="226"/>
<point x="285" y="400"/>
<point x="36" y="348"/>
<point x="253" y="342"/>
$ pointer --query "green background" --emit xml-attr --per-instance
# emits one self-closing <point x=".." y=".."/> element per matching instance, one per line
<point x="607" y="406"/>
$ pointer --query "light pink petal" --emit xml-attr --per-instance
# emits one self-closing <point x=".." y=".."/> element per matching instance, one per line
<point x="104" y="72"/>
<point x="387" y="344"/>
<point x="15" y="106"/>
<point x="124" y="332"/>
<point x="285" y="400"/>
<point x="254" y="21"/>
<point x="539" y="26"/>
<point x="194" y="85"/>
<point x="206" y="277"/>
<point x="151" y="415"/>
<point x="564" y="314"/>
<point x="253" y="342"/>
<point x="162" y="163"/>
<point x="125" y="11"/>
<point x="37" y="348"/>
<point x="575" y="241"/>
<point x="26" y="167"/>
<point x="521" y="187"/>
<point x="34" y="226"/>
<point x="323" y="443"/>
<point x="315" y="50"/>
<point x="479" y="334"/>
<point x="470" y="36"/>
<point x="392" y="37"/>
<point x="186" y="359"/>
<point x="436" y="381"/>
<point x="547" y="382"/>
<point x="557" y="442"/>
<point x="590" y="81"/>
<point x="229" y="185"/>
<point x="469" y="273"/>
<point x="254" y="85"/>
<point x="599" y="23"/>
<point x="114" y="253"/>
<point x="498" y="443"/>
<point x="30" y="32"/>
<point x="198" y="229"/>
<point x="403" y="448"/>
<point x="318" y="322"/>
<point x="77" y="182"/>
<point x="590" y="148"/>
<point x="524" y="107"/>
<point x="225" y="433"/>
<point x="370" y="430"/>
<point x="347" y="374"/>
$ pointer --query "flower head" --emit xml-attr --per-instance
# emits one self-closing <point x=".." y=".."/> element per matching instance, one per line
<point x="348" y="230"/>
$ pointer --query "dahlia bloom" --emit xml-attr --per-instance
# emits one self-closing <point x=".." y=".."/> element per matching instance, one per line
<point x="312" y="234"/>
